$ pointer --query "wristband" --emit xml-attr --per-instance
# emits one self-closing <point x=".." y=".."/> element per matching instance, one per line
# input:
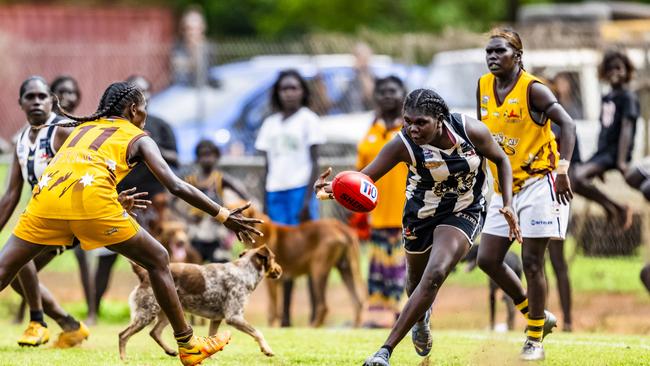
<point x="563" y="166"/>
<point x="222" y="215"/>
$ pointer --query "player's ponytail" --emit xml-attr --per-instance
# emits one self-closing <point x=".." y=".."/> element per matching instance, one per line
<point x="426" y="102"/>
<point x="113" y="102"/>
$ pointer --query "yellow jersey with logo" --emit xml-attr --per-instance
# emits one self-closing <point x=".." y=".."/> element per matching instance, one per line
<point x="530" y="146"/>
<point x="80" y="181"/>
<point x="392" y="186"/>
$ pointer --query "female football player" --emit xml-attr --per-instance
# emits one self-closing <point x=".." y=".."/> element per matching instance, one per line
<point x="76" y="197"/>
<point x="445" y="203"/>
<point x="518" y="110"/>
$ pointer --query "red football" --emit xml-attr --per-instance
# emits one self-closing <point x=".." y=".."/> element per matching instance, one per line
<point x="355" y="191"/>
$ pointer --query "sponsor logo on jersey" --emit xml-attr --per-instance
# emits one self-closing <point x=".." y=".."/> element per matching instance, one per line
<point x="43" y="143"/>
<point x="508" y="144"/>
<point x="512" y="116"/>
<point x="368" y="189"/>
<point x="433" y="164"/>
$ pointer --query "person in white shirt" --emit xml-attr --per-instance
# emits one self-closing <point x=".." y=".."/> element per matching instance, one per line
<point x="289" y="139"/>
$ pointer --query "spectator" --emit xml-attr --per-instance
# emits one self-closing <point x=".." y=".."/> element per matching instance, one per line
<point x="141" y="178"/>
<point x="620" y="110"/>
<point x="66" y="88"/>
<point x="359" y="93"/>
<point x="206" y="233"/>
<point x="566" y="90"/>
<point x="289" y="139"/>
<point x="387" y="262"/>
<point x="191" y="54"/>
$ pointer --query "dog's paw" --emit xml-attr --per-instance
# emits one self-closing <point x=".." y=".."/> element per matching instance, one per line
<point x="268" y="352"/>
<point x="172" y="353"/>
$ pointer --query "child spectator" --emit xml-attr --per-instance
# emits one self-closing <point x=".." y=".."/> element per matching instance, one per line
<point x="206" y="234"/>
<point x="289" y="139"/>
<point x="620" y="110"/>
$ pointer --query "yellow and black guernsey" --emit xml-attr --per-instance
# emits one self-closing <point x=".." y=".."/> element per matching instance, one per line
<point x="80" y="181"/>
<point x="529" y="144"/>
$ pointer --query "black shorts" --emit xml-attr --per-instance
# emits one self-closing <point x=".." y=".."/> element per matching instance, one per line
<point x="417" y="234"/>
<point x="604" y="159"/>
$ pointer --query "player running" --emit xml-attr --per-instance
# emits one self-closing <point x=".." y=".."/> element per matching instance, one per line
<point x="76" y="197"/>
<point x="518" y="110"/>
<point x="445" y="203"/>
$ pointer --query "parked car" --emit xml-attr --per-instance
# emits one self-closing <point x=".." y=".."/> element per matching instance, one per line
<point x="232" y="114"/>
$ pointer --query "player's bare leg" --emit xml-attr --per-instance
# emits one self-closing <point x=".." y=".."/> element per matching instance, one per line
<point x="15" y="254"/>
<point x="147" y="252"/>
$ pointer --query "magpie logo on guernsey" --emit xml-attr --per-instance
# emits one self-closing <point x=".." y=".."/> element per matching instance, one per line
<point x="369" y="190"/>
<point x="534" y="222"/>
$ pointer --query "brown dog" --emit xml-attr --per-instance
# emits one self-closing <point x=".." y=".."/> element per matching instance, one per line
<point x="173" y="236"/>
<point x="313" y="248"/>
<point x="215" y="291"/>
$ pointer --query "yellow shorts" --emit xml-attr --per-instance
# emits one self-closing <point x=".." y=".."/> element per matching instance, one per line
<point x="92" y="234"/>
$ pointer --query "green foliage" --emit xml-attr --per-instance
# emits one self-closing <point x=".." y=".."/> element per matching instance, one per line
<point x="284" y="18"/>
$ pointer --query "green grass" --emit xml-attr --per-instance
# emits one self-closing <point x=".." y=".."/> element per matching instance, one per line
<point x="305" y="347"/>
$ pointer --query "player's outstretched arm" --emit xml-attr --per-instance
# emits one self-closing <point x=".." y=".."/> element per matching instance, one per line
<point x="147" y="150"/>
<point x="390" y="155"/>
<point x="393" y="153"/>
<point x="10" y="198"/>
<point x="482" y="139"/>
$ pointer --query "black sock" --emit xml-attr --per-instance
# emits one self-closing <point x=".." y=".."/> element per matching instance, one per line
<point x="388" y="348"/>
<point x="184" y="337"/>
<point x="37" y="316"/>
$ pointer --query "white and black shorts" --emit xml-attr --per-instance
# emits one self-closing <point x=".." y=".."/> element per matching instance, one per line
<point x="539" y="213"/>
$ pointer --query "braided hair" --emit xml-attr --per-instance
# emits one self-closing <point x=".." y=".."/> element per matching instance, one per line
<point x="115" y="99"/>
<point x="513" y="39"/>
<point x="426" y="102"/>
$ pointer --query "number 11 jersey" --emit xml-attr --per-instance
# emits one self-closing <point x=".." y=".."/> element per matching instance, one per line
<point x="80" y="181"/>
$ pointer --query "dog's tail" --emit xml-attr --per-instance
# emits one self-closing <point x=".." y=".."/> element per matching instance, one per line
<point x="140" y="272"/>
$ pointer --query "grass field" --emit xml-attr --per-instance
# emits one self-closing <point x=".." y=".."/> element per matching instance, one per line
<point x="300" y="346"/>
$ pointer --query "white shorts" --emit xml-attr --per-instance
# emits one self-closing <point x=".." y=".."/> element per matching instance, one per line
<point x="540" y="215"/>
